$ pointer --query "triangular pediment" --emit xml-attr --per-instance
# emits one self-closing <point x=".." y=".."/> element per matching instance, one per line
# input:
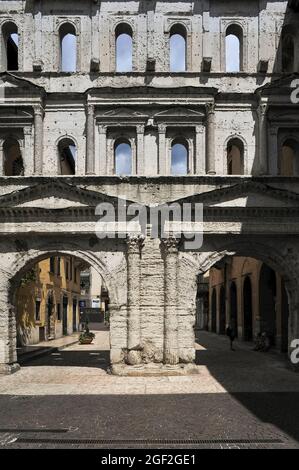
<point x="54" y="194"/>
<point x="282" y="86"/>
<point x="10" y="83"/>
<point x="247" y="194"/>
<point x="123" y="112"/>
<point x="179" y="112"/>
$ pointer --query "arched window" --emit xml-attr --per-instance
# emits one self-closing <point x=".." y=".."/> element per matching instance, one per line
<point x="124" y="48"/>
<point x="67" y="156"/>
<point x="234" y="49"/>
<point x="177" y="49"/>
<point x="289" y="164"/>
<point x="13" y="161"/>
<point x="68" y="48"/>
<point x="10" y="38"/>
<point x="179" y="157"/>
<point x="235" y="157"/>
<point x="123" y="157"/>
<point x="288" y="53"/>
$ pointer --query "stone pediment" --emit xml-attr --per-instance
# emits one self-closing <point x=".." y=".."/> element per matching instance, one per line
<point x="123" y="112"/>
<point x="12" y="84"/>
<point x="179" y="112"/>
<point x="54" y="195"/>
<point x="280" y="86"/>
<point x="247" y="194"/>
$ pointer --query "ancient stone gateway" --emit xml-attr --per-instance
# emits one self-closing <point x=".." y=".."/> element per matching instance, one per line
<point x="217" y="129"/>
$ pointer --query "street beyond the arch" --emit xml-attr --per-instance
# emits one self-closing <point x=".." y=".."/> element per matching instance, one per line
<point x="238" y="399"/>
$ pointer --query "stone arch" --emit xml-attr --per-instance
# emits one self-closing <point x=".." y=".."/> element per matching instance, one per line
<point x="124" y="47"/>
<point x="180" y="151"/>
<point x="279" y="257"/>
<point x="178" y="48"/>
<point x="68" y="47"/>
<point x="10" y="46"/>
<point x="234" y="51"/>
<point x="67" y="158"/>
<point x="123" y="156"/>
<point x="235" y="155"/>
<point x="31" y="257"/>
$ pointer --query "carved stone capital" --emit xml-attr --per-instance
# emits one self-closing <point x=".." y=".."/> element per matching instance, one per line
<point x="140" y="129"/>
<point x="134" y="243"/>
<point x="170" y="244"/>
<point x="161" y="128"/>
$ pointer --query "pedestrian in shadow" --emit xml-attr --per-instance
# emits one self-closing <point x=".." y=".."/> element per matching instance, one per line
<point x="230" y="332"/>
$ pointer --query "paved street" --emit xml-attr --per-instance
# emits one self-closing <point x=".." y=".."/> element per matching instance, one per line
<point x="238" y="399"/>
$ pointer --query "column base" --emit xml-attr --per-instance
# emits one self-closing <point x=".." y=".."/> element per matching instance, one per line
<point x="7" y="369"/>
<point x="153" y="370"/>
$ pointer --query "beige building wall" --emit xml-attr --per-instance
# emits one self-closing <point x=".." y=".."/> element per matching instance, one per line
<point x="45" y="288"/>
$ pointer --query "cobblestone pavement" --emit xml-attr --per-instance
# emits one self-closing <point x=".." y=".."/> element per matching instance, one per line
<point x="239" y="399"/>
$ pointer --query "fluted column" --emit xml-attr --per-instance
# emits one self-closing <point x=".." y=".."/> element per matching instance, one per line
<point x="170" y="248"/>
<point x="134" y="245"/>
<point x="90" y="140"/>
<point x="263" y="138"/>
<point x="38" y="140"/>
<point x="210" y="163"/>
<point x="162" y="169"/>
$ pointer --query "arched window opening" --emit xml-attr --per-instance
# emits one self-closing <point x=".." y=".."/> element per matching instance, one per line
<point x="124" y="48"/>
<point x="13" y="161"/>
<point x="67" y="157"/>
<point x="289" y="165"/>
<point x="10" y="46"/>
<point x="235" y="157"/>
<point x="177" y="49"/>
<point x="267" y="302"/>
<point x="123" y="158"/>
<point x="179" y="158"/>
<point x="288" y="53"/>
<point x="234" y="49"/>
<point x="68" y="48"/>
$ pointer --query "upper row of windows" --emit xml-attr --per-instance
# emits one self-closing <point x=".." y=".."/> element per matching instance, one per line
<point x="124" y="46"/>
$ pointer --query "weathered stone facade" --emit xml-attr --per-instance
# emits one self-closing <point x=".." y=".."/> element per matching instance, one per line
<point x="151" y="282"/>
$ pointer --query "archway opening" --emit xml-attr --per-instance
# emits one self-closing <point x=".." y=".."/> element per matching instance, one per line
<point x="123" y="157"/>
<point x="179" y="157"/>
<point x="124" y="48"/>
<point x="68" y="48"/>
<point x="56" y="300"/>
<point x="67" y="151"/>
<point x="234" y="49"/>
<point x="177" y="49"/>
<point x="13" y="160"/>
<point x="10" y="38"/>
<point x="235" y="157"/>
<point x="289" y="163"/>
<point x="249" y="295"/>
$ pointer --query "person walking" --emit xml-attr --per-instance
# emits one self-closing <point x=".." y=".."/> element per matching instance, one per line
<point x="230" y="332"/>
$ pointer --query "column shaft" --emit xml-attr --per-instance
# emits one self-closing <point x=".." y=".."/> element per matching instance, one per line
<point x="90" y="141"/>
<point x="171" y="355"/>
<point x="38" y="140"/>
<point x="133" y="299"/>
<point x="210" y="168"/>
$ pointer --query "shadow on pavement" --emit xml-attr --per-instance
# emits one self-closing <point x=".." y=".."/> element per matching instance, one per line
<point x="88" y="358"/>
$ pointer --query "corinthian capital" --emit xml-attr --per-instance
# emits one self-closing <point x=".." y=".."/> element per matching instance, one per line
<point x="170" y="244"/>
<point x="134" y="243"/>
